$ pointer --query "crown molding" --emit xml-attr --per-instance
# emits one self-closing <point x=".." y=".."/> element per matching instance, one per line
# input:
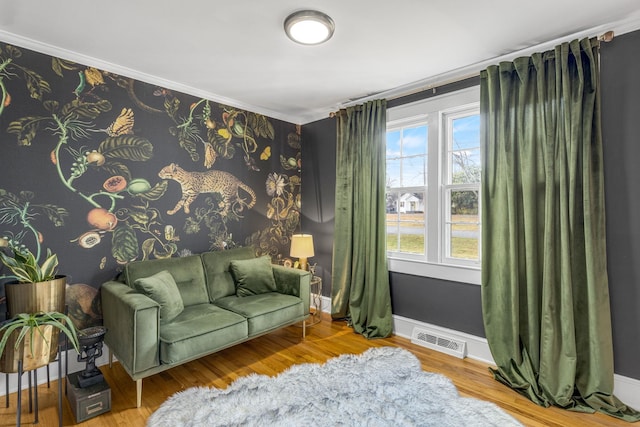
<point x="91" y="61"/>
<point x="626" y="25"/>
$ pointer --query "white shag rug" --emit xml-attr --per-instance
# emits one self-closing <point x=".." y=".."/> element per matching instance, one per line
<point x="384" y="386"/>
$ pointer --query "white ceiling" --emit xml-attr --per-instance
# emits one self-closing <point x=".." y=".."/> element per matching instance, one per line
<point x="236" y="52"/>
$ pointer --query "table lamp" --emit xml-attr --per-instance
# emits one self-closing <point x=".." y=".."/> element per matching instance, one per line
<point x="302" y="248"/>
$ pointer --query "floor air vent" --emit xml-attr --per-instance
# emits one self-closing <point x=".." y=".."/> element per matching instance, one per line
<point x="439" y="342"/>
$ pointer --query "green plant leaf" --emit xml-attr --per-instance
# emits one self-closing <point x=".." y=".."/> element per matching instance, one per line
<point x="27" y="195"/>
<point x="24" y="266"/>
<point x="127" y="147"/>
<point x="191" y="148"/>
<point x="60" y="321"/>
<point x="124" y="244"/>
<point x="51" y="106"/>
<point x="32" y="322"/>
<point x="156" y="192"/>
<point x="36" y="85"/>
<point x="49" y="266"/>
<point x="8" y="329"/>
<point x="25" y="129"/>
<point x="117" y="168"/>
<point x="33" y="272"/>
<point x="55" y="214"/>
<point x="8" y="198"/>
<point x="10" y="262"/>
<point x="57" y="65"/>
<point x="293" y="139"/>
<point x="147" y="248"/>
<point x="13" y="52"/>
<point x="23" y="258"/>
<point x="167" y="251"/>
<point x="261" y="125"/>
<point x="171" y="105"/>
<point x="87" y="110"/>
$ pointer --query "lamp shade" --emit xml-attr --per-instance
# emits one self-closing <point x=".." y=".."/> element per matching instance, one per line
<point x="302" y="246"/>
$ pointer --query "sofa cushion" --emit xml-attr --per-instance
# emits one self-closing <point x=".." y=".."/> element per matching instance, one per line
<point x="162" y="289"/>
<point x="187" y="272"/>
<point x="265" y="312"/>
<point x="216" y="267"/>
<point x="200" y="329"/>
<point x="253" y="276"/>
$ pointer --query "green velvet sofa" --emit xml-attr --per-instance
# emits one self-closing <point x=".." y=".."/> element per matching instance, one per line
<point x="223" y="298"/>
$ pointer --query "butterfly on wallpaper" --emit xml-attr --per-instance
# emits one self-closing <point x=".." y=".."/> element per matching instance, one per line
<point x="266" y="153"/>
<point x="123" y="124"/>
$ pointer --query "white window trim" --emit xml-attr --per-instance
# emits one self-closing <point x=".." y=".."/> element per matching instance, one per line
<point x="453" y="273"/>
<point x="417" y="112"/>
<point x="446" y="128"/>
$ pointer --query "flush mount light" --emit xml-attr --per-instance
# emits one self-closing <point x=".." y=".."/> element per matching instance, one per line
<point x="309" y="27"/>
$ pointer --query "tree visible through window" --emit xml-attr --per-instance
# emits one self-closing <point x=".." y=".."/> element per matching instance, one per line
<point x="462" y="237"/>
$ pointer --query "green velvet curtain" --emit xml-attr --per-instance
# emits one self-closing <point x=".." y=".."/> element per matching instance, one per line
<point x="360" y="279"/>
<point x="545" y="293"/>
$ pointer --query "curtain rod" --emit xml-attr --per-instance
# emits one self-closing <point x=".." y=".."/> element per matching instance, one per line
<point x="605" y="37"/>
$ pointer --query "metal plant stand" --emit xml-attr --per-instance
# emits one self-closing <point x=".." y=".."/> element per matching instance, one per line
<point x="33" y="404"/>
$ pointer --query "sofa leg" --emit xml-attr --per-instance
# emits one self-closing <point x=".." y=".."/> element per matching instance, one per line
<point x="304" y="329"/>
<point x="110" y="359"/>
<point x="138" y="393"/>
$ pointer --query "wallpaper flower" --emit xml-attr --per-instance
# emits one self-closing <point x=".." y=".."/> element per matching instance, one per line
<point x="104" y="170"/>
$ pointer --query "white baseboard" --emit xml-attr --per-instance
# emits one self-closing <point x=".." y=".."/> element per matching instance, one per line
<point x="477" y="347"/>
<point x="326" y="304"/>
<point x="626" y="389"/>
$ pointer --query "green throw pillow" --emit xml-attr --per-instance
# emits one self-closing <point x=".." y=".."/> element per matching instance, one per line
<point x="162" y="288"/>
<point x="253" y="276"/>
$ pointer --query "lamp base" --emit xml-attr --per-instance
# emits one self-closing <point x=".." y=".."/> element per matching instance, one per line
<point x="303" y="263"/>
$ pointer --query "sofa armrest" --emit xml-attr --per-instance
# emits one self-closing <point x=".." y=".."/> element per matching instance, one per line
<point x="132" y="321"/>
<point x="292" y="281"/>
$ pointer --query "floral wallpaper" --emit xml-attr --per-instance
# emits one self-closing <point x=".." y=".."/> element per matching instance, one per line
<point x="104" y="170"/>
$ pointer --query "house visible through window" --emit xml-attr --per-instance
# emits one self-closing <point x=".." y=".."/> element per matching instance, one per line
<point x="433" y="185"/>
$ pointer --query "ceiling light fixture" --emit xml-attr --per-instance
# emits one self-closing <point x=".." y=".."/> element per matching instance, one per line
<point x="309" y="27"/>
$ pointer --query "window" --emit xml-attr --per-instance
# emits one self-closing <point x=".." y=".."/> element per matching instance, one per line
<point x="433" y="186"/>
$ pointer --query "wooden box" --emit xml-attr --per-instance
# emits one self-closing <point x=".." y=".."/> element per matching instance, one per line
<point x="87" y="402"/>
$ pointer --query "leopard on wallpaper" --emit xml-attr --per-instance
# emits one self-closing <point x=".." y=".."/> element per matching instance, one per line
<point x="104" y="170"/>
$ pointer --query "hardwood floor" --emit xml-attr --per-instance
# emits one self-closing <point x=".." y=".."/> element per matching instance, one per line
<point x="272" y="354"/>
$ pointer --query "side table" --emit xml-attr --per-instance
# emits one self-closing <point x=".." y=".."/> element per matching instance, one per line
<point x="316" y="301"/>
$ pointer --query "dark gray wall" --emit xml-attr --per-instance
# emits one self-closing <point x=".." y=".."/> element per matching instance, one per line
<point x="452" y="305"/>
<point x="318" y="193"/>
<point x="620" y="80"/>
<point x="458" y="305"/>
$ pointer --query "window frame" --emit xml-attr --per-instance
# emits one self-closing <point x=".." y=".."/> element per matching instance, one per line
<point x="434" y="111"/>
<point x="412" y="122"/>
<point x="446" y="186"/>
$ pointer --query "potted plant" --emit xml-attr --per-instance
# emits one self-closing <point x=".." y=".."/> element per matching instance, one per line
<point x="25" y="268"/>
<point x="37" y="291"/>
<point x="30" y="336"/>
